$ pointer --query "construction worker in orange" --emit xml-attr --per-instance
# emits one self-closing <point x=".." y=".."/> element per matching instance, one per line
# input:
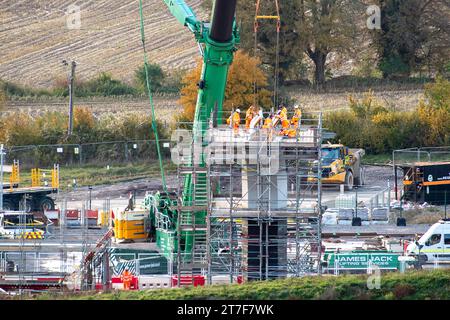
<point x="126" y="278"/>
<point x="268" y="123"/>
<point x="234" y="120"/>
<point x="249" y="115"/>
<point x="283" y="118"/>
<point x="297" y="117"/>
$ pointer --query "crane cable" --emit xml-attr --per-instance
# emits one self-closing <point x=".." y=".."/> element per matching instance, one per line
<point x="150" y="96"/>
<point x="276" y="17"/>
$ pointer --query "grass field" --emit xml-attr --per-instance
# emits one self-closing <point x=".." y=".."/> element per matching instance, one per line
<point x="100" y="175"/>
<point x="412" y="285"/>
<point x="377" y="159"/>
<point x="400" y="100"/>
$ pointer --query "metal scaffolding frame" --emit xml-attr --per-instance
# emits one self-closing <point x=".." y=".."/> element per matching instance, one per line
<point x="60" y="255"/>
<point x="270" y="228"/>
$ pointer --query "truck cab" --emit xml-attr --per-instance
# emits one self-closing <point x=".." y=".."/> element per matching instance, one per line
<point x="341" y="165"/>
<point x="434" y="245"/>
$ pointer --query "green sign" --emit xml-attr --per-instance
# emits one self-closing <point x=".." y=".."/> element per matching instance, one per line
<point x="360" y="261"/>
<point x="153" y="265"/>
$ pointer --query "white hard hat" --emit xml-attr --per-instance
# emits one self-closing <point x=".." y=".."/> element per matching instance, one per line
<point x="238" y="110"/>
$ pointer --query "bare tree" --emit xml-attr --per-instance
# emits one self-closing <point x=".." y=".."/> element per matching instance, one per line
<point x="327" y="26"/>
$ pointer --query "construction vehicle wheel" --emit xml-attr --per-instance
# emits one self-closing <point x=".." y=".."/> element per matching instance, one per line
<point x="28" y="205"/>
<point x="349" y="182"/>
<point x="8" y="205"/>
<point x="46" y="204"/>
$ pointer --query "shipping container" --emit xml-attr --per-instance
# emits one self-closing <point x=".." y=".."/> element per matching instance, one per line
<point x="427" y="182"/>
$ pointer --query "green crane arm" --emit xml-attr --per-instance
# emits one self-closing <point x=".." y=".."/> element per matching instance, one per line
<point x="184" y="14"/>
<point x="218" y="41"/>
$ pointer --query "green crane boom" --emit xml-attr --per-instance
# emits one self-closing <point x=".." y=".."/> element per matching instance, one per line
<point x="217" y="41"/>
<point x="184" y="14"/>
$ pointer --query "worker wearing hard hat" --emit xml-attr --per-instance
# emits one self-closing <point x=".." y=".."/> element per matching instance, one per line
<point x="234" y="120"/>
<point x="250" y="114"/>
<point x="268" y="123"/>
<point x="282" y="118"/>
<point x="235" y="115"/>
<point x="297" y="117"/>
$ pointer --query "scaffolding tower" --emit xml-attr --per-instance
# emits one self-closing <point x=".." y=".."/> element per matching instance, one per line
<point x="262" y="196"/>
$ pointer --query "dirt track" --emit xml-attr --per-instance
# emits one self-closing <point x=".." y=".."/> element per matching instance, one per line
<point x="376" y="176"/>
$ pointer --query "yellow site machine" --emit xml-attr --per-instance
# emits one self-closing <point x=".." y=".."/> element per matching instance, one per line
<point x="341" y="166"/>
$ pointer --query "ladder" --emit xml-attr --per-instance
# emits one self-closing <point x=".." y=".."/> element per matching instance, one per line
<point x="192" y="229"/>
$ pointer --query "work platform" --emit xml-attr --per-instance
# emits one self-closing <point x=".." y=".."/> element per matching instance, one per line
<point x="30" y="190"/>
<point x="263" y="203"/>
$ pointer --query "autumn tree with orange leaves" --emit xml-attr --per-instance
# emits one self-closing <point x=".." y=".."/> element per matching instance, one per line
<point x="240" y="86"/>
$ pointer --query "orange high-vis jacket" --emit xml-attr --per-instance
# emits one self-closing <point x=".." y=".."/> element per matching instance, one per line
<point x="296" y="118"/>
<point x="249" y="116"/>
<point x="283" y="118"/>
<point x="236" y="120"/>
<point x="267" y="123"/>
<point x="285" y="123"/>
<point x="291" y="133"/>
<point x="127" y="276"/>
<point x="250" y="112"/>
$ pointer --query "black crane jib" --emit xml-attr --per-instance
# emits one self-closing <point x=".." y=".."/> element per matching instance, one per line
<point x="222" y="20"/>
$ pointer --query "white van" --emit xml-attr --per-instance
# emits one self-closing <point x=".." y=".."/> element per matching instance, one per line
<point x="434" y="245"/>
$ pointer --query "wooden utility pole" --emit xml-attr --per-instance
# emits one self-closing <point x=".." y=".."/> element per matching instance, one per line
<point x="71" y="95"/>
<point x="1" y="175"/>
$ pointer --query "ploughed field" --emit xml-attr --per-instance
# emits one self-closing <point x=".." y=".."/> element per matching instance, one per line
<point x="35" y="39"/>
<point x="166" y="106"/>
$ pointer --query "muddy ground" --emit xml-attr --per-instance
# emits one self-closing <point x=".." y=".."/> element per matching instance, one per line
<point x="376" y="176"/>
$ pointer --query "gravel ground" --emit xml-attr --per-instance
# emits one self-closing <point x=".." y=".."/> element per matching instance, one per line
<point x="121" y="189"/>
<point x="376" y="176"/>
<point x="379" y="175"/>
